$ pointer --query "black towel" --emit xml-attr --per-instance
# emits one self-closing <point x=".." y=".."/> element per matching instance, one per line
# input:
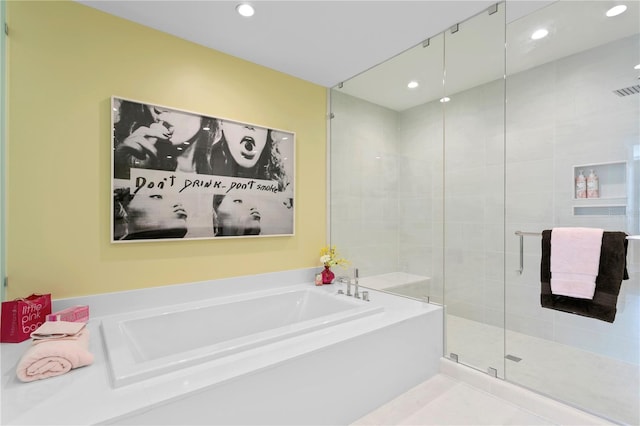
<point x="611" y="272"/>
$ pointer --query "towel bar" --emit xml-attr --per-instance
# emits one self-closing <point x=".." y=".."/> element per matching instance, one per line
<point x="522" y="234"/>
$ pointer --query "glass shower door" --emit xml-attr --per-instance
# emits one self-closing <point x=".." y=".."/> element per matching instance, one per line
<point x="474" y="191"/>
<point x="573" y="106"/>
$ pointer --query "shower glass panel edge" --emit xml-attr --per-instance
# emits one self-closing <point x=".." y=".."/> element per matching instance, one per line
<point x="3" y="167"/>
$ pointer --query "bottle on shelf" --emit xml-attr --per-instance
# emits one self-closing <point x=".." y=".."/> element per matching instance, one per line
<point x="581" y="186"/>
<point x="592" y="185"/>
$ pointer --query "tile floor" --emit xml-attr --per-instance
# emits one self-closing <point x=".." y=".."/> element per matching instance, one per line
<point x="603" y="385"/>
<point x="571" y="377"/>
<point x="446" y="400"/>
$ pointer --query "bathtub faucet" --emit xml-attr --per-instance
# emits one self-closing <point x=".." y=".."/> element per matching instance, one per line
<point x="355" y="281"/>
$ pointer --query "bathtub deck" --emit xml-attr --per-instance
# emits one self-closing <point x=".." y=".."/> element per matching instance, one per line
<point x="297" y="365"/>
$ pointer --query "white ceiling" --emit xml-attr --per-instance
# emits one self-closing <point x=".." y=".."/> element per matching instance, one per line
<point x="331" y="41"/>
<point x="324" y="42"/>
<point x="475" y="54"/>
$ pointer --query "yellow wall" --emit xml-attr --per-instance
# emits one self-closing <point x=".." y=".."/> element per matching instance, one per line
<point x="65" y="62"/>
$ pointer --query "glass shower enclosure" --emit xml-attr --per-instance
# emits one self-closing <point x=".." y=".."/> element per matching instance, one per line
<point x="440" y="191"/>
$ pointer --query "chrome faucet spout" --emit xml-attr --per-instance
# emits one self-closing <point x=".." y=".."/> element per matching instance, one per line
<point x="355" y="280"/>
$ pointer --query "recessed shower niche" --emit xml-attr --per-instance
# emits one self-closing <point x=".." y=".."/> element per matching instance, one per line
<point x="611" y="187"/>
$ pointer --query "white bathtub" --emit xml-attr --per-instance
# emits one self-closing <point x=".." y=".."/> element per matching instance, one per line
<point x="147" y="343"/>
<point x="336" y="359"/>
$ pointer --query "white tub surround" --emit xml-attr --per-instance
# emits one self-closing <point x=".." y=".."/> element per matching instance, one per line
<point x="365" y="355"/>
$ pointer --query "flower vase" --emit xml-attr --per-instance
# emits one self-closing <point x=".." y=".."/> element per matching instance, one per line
<point x="327" y="275"/>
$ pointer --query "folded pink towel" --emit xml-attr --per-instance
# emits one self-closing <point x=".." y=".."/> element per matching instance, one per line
<point x="57" y="330"/>
<point x="54" y="357"/>
<point x="575" y="260"/>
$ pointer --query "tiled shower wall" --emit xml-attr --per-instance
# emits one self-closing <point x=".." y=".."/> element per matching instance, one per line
<point x="420" y="192"/>
<point x="474" y="203"/>
<point x="364" y="180"/>
<point x="559" y="115"/>
<point x="387" y="212"/>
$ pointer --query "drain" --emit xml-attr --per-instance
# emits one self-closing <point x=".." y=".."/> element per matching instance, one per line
<point x="513" y="358"/>
<point x="626" y="91"/>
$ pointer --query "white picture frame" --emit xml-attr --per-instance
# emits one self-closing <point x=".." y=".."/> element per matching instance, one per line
<point x="180" y="175"/>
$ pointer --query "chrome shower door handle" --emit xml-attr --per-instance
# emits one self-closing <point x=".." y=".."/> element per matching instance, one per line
<point x="522" y="234"/>
<point x="521" y="254"/>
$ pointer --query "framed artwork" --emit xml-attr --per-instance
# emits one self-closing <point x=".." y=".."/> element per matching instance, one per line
<point x="180" y="175"/>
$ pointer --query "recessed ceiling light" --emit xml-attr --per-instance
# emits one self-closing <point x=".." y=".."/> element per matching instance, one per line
<point x="445" y="99"/>
<point x="413" y="84"/>
<point x="616" y="10"/>
<point x="245" y="9"/>
<point x="637" y="67"/>
<point x="538" y="34"/>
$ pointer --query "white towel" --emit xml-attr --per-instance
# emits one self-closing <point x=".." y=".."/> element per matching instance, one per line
<point x="575" y="260"/>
